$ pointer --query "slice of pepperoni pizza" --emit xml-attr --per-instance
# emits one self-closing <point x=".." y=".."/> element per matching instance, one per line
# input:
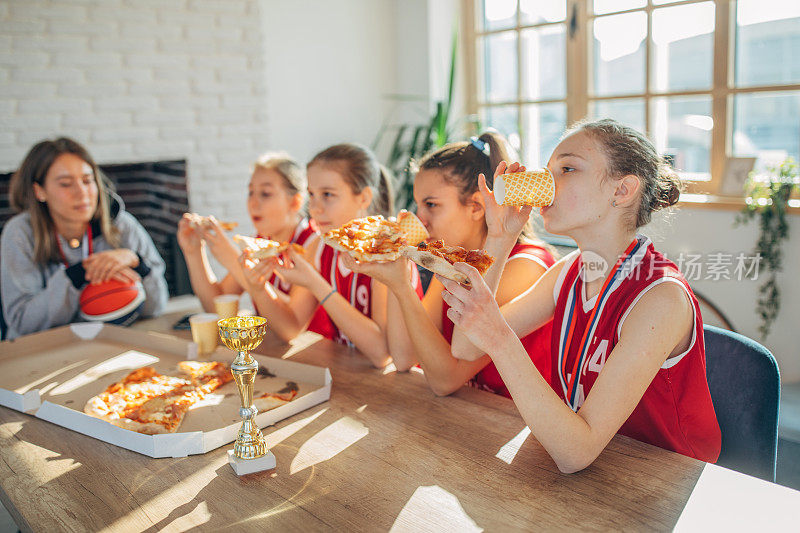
<point x="372" y="238"/>
<point x="439" y="259"/>
<point x="258" y="248"/>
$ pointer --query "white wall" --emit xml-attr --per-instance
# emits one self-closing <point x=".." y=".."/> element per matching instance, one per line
<point x="701" y="231"/>
<point x="139" y="80"/>
<point x="328" y="67"/>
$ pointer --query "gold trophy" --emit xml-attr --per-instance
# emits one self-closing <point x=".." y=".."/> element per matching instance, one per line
<point x="242" y="334"/>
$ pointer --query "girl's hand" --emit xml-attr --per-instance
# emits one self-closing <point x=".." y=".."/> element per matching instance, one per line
<point x="103" y="266"/>
<point x="393" y="274"/>
<point x="503" y="220"/>
<point x="189" y="239"/>
<point x="256" y="273"/>
<point x="475" y="311"/>
<point x="295" y="269"/>
<point x="218" y="243"/>
<point x="127" y="275"/>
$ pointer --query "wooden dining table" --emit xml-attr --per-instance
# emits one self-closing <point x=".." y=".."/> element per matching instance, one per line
<point x="384" y="453"/>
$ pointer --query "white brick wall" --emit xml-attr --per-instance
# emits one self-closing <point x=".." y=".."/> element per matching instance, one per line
<point x="138" y="80"/>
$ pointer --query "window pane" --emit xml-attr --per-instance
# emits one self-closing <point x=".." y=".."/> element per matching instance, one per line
<point x="619" y="48"/>
<point x="683" y="47"/>
<point x="543" y="61"/>
<point x="500" y="67"/>
<point x="497" y="14"/>
<point x="766" y="126"/>
<point x="612" y="6"/>
<point x="662" y="2"/>
<point x="539" y="11"/>
<point x="767" y="42"/>
<point x="505" y="120"/>
<point x="629" y="111"/>
<point x="682" y="133"/>
<point x="543" y="125"/>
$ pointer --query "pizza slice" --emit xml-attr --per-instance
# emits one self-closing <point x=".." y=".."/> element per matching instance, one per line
<point x="258" y="248"/>
<point x="439" y="259"/>
<point x="372" y="238"/>
<point x="131" y="392"/>
<point x="207" y="376"/>
<point x="162" y="414"/>
<point x="271" y="400"/>
<point x="199" y="221"/>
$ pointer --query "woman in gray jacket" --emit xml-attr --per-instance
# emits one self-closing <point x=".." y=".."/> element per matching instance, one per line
<point x="70" y="232"/>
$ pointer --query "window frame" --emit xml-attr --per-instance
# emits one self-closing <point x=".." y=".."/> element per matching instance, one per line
<point x="704" y="194"/>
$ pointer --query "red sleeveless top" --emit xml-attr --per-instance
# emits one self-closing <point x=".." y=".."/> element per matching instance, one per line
<point x="356" y="288"/>
<point x="675" y="412"/>
<point x="537" y="343"/>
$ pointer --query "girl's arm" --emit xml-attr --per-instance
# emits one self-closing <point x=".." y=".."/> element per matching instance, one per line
<point x="366" y="334"/>
<point x="287" y="314"/>
<point x="574" y="440"/>
<point x="204" y="283"/>
<point x="423" y="324"/>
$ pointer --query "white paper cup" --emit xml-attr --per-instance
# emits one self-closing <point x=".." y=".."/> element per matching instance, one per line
<point x="226" y="305"/>
<point x="205" y="332"/>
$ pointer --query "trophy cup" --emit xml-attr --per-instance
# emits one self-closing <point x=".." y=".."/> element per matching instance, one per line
<point x="242" y="334"/>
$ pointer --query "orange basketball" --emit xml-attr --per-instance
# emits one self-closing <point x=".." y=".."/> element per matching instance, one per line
<point x="113" y="302"/>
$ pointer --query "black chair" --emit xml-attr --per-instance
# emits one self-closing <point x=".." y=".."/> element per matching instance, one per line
<point x="745" y="387"/>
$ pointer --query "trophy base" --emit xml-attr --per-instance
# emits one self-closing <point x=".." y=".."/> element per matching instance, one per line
<point x="243" y="467"/>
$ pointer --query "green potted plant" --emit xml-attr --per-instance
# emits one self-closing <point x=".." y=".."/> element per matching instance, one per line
<point x="767" y="201"/>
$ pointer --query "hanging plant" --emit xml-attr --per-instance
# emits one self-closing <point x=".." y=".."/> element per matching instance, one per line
<point x="767" y="201"/>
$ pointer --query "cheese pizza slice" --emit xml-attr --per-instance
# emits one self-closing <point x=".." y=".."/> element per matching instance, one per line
<point x="199" y="221"/>
<point x="258" y="248"/>
<point x="372" y="238"/>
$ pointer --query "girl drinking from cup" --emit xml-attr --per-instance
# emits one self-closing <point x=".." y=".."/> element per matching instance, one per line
<point x="627" y="347"/>
<point x="452" y="209"/>
<point x="345" y="182"/>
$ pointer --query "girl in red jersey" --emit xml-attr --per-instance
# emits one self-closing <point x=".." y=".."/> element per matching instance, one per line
<point x="345" y="182"/>
<point x="452" y="209"/>
<point x="628" y="352"/>
<point x="275" y="201"/>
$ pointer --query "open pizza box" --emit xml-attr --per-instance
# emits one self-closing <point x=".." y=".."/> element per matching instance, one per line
<point x="52" y="374"/>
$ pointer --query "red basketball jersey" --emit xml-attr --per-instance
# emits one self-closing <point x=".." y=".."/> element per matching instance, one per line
<point x="675" y="412"/>
<point x="303" y="233"/>
<point x="356" y="288"/>
<point x="537" y="343"/>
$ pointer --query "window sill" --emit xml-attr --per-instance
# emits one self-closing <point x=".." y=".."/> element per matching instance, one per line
<point x="724" y="203"/>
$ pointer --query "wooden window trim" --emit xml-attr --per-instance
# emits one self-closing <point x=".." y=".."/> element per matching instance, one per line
<point x="701" y="194"/>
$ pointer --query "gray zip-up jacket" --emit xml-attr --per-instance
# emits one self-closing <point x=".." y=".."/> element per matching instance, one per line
<point x="37" y="297"/>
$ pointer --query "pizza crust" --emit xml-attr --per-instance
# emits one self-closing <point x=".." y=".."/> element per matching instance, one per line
<point x="435" y="264"/>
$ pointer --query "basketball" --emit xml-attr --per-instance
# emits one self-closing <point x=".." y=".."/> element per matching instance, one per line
<point x="112" y="302"/>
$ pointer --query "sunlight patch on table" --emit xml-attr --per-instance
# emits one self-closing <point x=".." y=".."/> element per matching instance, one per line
<point x="328" y="442"/>
<point x="279" y="435"/>
<point x="194" y="518"/>
<point x="433" y="509"/>
<point x="725" y="500"/>
<point x="510" y="449"/>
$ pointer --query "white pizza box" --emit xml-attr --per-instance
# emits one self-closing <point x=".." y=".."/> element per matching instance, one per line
<point x="53" y="373"/>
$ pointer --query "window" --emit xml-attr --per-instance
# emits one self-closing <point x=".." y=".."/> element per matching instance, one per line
<point x="705" y="79"/>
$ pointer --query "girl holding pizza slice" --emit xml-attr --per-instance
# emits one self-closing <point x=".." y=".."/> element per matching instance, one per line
<point x="275" y="201"/>
<point x="345" y="182"/>
<point x="452" y="209"/>
<point x="628" y="353"/>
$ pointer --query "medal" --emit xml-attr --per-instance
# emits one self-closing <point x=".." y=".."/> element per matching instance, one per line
<point x="74" y="243"/>
<point x="570" y="382"/>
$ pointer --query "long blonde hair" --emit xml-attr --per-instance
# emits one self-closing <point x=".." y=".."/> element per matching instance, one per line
<point x="34" y="169"/>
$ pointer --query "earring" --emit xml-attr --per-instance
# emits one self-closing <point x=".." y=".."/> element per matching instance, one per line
<point x="614" y="203"/>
